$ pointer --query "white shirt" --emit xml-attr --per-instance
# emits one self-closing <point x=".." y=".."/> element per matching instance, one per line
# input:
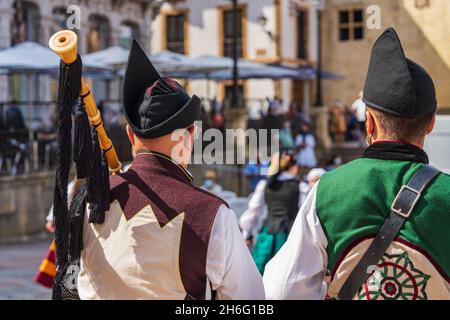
<point x="360" y="109"/>
<point x="298" y="270"/>
<point x="229" y="265"/>
<point x="252" y="219"/>
<point x="111" y="269"/>
<point x="307" y="156"/>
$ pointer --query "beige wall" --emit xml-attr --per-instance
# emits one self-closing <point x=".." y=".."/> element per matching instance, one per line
<point x="424" y="33"/>
<point x="24" y="203"/>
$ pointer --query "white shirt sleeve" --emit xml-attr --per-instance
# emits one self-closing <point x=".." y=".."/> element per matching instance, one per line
<point x="229" y="265"/>
<point x="304" y="191"/>
<point x="310" y="141"/>
<point x="298" y="140"/>
<point x="251" y="219"/>
<point x="298" y="269"/>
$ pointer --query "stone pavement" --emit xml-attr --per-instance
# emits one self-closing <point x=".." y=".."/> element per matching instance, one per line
<point x="19" y="264"/>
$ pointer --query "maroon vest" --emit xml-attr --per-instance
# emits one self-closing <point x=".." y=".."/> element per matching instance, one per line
<point x="155" y="180"/>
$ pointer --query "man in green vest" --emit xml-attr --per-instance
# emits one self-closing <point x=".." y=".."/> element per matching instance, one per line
<point x="380" y="223"/>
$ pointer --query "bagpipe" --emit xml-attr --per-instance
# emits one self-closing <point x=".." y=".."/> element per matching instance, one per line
<point x="89" y="147"/>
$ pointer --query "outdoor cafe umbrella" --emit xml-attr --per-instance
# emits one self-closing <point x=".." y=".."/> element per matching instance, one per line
<point x="32" y="58"/>
<point x="250" y="70"/>
<point x="209" y="67"/>
<point x="28" y="58"/>
<point x="112" y="58"/>
<point x="109" y="57"/>
<point x="306" y="72"/>
<point x="116" y="58"/>
<point x="168" y="62"/>
<point x="255" y="71"/>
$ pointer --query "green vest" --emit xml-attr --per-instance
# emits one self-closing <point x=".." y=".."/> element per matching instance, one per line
<point x="353" y="202"/>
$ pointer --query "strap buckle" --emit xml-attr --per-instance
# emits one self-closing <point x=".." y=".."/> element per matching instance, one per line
<point x="405" y="201"/>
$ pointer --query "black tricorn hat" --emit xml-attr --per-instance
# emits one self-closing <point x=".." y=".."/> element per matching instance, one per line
<point x="395" y="84"/>
<point x="154" y="105"/>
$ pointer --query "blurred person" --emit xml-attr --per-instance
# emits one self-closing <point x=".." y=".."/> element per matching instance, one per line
<point x="286" y="139"/>
<point x="335" y="162"/>
<point x="305" y="143"/>
<point x="210" y="182"/>
<point x="272" y="121"/>
<point x="312" y="178"/>
<point x="216" y="105"/>
<point x="47" y="269"/>
<point x="14" y="118"/>
<point x="271" y="103"/>
<point x="255" y="172"/>
<point x="352" y="131"/>
<point x="278" y="106"/>
<point x="338" y="124"/>
<point x="72" y="190"/>
<point x="380" y="223"/>
<point x="185" y="242"/>
<point x="217" y="116"/>
<point x="291" y="114"/>
<point x="302" y="117"/>
<point x="359" y="108"/>
<point x="281" y="194"/>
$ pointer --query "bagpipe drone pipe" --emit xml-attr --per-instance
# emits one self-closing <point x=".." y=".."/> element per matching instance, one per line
<point x="93" y="154"/>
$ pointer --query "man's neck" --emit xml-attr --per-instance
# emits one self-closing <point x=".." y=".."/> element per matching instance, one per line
<point x="419" y="144"/>
<point x="163" y="151"/>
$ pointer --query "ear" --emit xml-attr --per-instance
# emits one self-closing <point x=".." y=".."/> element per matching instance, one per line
<point x="370" y="123"/>
<point x="130" y="135"/>
<point x="431" y="125"/>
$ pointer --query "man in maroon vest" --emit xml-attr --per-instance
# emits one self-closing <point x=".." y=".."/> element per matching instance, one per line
<point x="163" y="238"/>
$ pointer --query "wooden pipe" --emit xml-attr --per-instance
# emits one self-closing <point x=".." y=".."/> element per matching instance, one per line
<point x="64" y="44"/>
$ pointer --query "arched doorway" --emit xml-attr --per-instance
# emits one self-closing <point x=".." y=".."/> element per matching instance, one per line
<point x="129" y="31"/>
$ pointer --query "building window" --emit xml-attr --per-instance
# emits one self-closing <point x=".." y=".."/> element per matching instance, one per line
<point x="228" y="33"/>
<point x="59" y="19"/>
<point x="302" y="34"/>
<point x="351" y="25"/>
<point x="99" y="33"/>
<point x="175" y="33"/>
<point x="25" y="25"/>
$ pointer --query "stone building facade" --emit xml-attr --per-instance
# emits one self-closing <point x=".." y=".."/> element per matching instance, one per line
<point x="423" y="27"/>
<point x="104" y="23"/>
<point x="270" y="31"/>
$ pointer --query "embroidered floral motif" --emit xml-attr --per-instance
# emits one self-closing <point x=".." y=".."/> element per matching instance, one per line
<point x="395" y="278"/>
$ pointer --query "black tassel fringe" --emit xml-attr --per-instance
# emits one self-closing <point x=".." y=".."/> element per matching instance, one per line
<point x="77" y="211"/>
<point x="98" y="183"/>
<point x="68" y="92"/>
<point x="82" y="148"/>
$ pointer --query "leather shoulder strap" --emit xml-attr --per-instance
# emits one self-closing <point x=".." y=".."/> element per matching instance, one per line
<point x="401" y="210"/>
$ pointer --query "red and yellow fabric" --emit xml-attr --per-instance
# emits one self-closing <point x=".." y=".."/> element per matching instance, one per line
<point x="47" y="270"/>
